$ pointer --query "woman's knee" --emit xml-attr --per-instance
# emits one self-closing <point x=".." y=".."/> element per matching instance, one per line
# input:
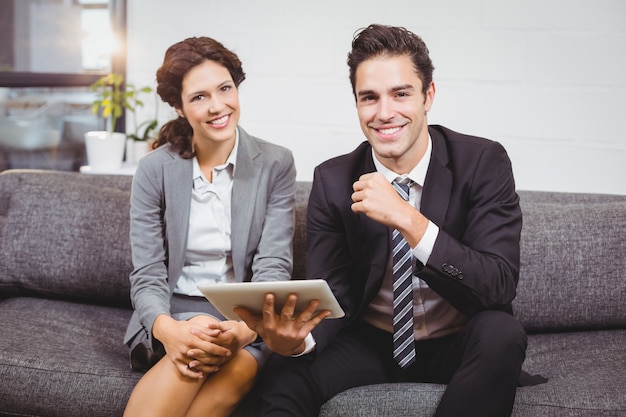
<point x="203" y="319"/>
<point x="223" y="391"/>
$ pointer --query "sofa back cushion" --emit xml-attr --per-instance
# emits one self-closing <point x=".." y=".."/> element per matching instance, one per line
<point x="573" y="261"/>
<point x="303" y="189"/>
<point x="65" y="235"/>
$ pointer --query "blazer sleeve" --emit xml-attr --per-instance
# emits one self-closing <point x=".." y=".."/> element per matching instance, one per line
<point x="273" y="253"/>
<point x="329" y="251"/>
<point x="149" y="285"/>
<point x="475" y="260"/>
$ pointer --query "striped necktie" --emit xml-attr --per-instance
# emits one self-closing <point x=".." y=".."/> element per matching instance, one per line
<point x="403" y="338"/>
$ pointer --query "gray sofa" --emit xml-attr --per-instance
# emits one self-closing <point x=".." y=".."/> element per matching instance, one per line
<point x="64" y="304"/>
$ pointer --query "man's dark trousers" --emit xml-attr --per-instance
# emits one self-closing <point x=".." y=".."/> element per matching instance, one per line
<point x="481" y="366"/>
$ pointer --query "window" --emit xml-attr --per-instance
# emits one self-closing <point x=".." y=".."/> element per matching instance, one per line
<point x="50" y="52"/>
<point x="48" y="43"/>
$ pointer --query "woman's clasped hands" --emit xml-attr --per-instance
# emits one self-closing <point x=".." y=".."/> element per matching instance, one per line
<point x="200" y="345"/>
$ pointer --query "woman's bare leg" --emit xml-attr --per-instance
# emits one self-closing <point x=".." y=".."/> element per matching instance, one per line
<point x="224" y="390"/>
<point x="163" y="391"/>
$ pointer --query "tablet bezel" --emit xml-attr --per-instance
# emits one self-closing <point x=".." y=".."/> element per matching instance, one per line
<point x="251" y="295"/>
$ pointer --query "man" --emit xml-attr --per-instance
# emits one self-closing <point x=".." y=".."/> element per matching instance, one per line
<point x="462" y="223"/>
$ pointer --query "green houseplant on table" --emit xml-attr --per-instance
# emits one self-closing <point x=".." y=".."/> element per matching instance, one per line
<point x="139" y="142"/>
<point x="105" y="149"/>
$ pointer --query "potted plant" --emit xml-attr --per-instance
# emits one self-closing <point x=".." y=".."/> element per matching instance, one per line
<point x="105" y="149"/>
<point x="140" y="141"/>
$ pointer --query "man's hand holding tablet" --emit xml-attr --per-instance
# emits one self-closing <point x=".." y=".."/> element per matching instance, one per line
<point x="283" y="313"/>
<point x="284" y="332"/>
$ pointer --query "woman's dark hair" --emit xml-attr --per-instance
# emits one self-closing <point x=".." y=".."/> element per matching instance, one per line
<point x="179" y="59"/>
<point x="379" y="40"/>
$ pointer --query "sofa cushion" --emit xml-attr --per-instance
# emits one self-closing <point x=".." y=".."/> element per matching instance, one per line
<point x="63" y="359"/>
<point x="65" y="235"/>
<point x="585" y="372"/>
<point x="573" y="268"/>
<point x="397" y="400"/>
<point x="551" y="239"/>
<point x="303" y="189"/>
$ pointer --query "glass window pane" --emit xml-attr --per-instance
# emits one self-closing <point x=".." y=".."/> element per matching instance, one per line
<point x="55" y="36"/>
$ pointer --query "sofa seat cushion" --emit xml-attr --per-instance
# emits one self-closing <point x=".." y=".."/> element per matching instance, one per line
<point x="63" y="359"/>
<point x="397" y="400"/>
<point x="585" y="372"/>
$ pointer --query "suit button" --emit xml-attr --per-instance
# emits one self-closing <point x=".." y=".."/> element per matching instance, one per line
<point x="450" y="269"/>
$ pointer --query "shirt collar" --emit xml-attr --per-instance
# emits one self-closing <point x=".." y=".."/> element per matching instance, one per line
<point x="231" y="160"/>
<point x="417" y="174"/>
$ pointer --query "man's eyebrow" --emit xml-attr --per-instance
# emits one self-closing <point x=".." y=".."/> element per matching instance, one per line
<point x="365" y="93"/>
<point x="392" y="90"/>
<point x="402" y="87"/>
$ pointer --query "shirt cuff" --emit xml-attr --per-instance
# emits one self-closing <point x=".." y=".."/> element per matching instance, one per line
<point x="425" y="246"/>
<point x="309" y="345"/>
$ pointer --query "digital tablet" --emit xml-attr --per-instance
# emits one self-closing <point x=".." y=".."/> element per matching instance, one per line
<point x="251" y="295"/>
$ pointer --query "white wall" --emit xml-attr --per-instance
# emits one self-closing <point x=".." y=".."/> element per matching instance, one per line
<point x="546" y="78"/>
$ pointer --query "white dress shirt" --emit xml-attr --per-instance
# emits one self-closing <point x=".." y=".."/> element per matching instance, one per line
<point x="208" y="256"/>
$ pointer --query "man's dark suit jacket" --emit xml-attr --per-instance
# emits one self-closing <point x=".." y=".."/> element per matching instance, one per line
<point x="469" y="192"/>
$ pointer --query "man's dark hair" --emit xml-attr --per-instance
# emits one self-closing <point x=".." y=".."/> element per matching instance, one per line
<point x="379" y="40"/>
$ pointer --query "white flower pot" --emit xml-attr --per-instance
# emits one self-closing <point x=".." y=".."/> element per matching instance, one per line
<point x="105" y="150"/>
<point x="135" y="149"/>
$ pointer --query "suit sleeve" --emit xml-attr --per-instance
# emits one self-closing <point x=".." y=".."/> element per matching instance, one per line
<point x="475" y="260"/>
<point x="328" y="257"/>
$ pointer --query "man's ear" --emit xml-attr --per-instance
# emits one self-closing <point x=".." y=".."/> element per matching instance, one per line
<point x="429" y="96"/>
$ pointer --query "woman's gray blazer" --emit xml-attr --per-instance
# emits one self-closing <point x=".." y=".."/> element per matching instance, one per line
<point x="262" y="225"/>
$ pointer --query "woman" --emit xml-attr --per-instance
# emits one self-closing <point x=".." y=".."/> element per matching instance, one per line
<point x="209" y="204"/>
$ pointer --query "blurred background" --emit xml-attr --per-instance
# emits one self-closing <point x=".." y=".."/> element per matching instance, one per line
<point x="544" y="78"/>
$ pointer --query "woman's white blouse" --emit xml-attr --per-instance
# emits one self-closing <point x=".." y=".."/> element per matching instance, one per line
<point x="208" y="256"/>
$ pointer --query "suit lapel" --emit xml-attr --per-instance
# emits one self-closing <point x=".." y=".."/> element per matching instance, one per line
<point x="245" y="186"/>
<point x="177" y="177"/>
<point x="438" y="183"/>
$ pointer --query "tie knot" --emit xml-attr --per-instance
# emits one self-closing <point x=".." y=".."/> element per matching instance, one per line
<point x="402" y="188"/>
